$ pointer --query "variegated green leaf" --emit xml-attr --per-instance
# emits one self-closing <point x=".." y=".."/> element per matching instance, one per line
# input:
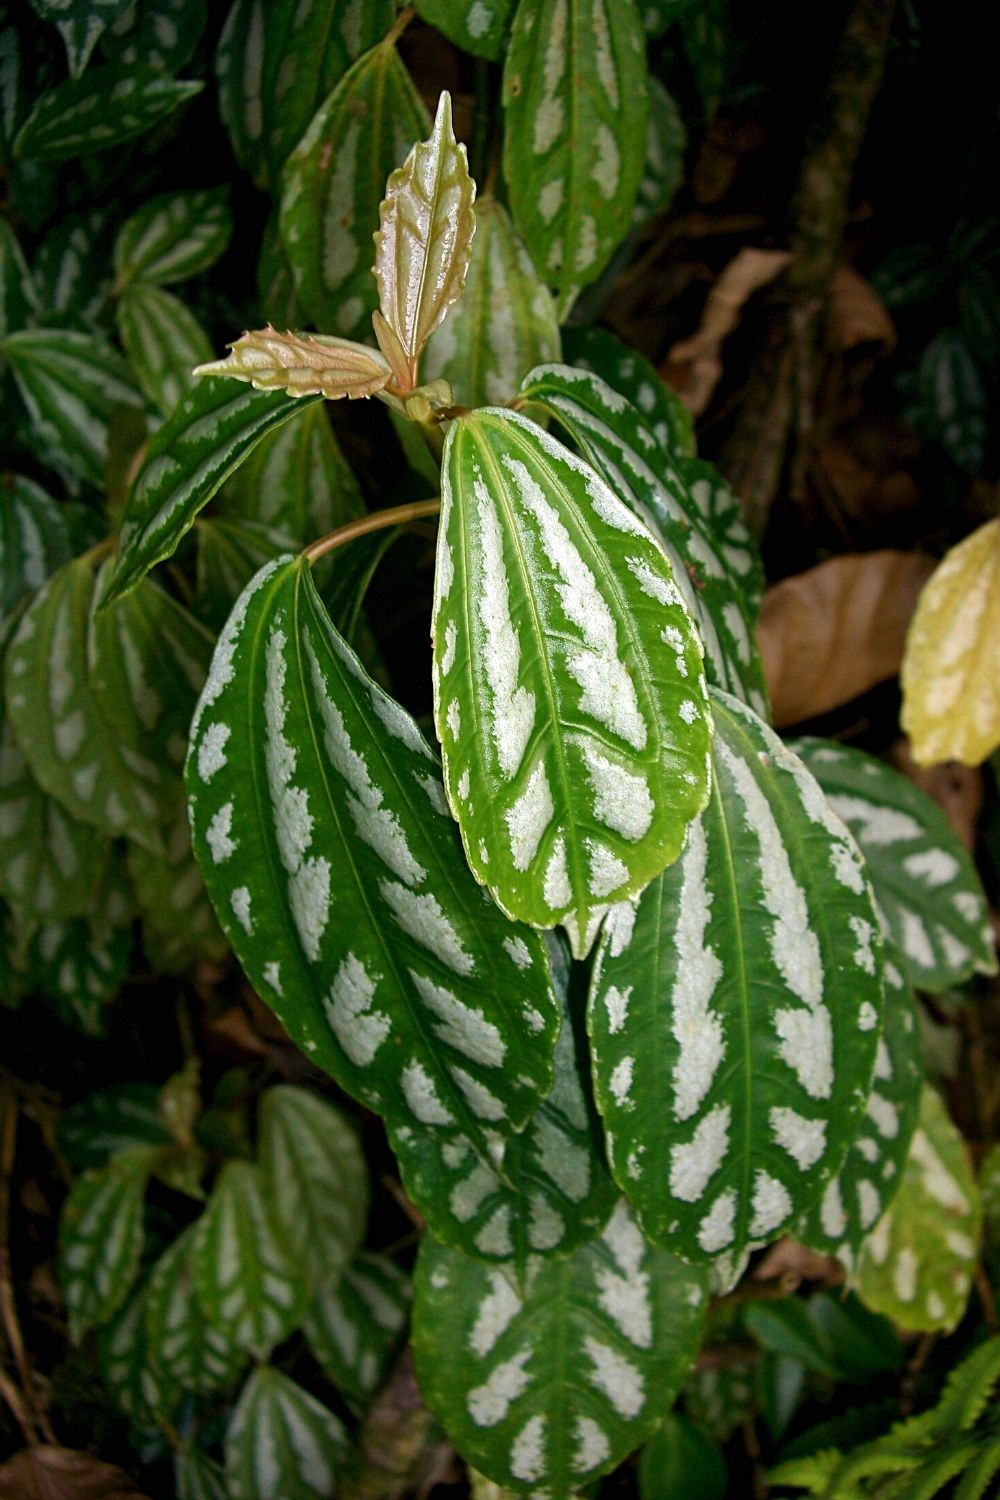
<point x="666" y="140"/>
<point x="185" y="1351"/>
<point x="617" y="441"/>
<point x="100" y="1239"/>
<point x="932" y="905"/>
<point x="281" y="1443"/>
<point x="71" y="384"/>
<point x="245" y="1275"/>
<point x="296" y="481"/>
<point x="476" y="26"/>
<point x="504" y="323"/>
<point x="172" y="237"/>
<point x="103" y="108"/>
<point x="855" y="1199"/>
<point x="338" y="877"/>
<point x="80" y="23"/>
<point x="178" y="924"/>
<point x="78" y="966"/>
<point x="100" y="1126"/>
<point x="156" y="34"/>
<point x="333" y="186"/>
<point x="546" y="1391"/>
<point x="197" y="1475"/>
<point x="657" y="15"/>
<point x="576" y="105"/>
<point x="34" y="539"/>
<point x="575" y="745"/>
<point x="629" y="373"/>
<point x="18" y="296"/>
<point x="917" y="1264"/>
<point x="164" y="342"/>
<point x="724" y="514"/>
<point x="317" y="1181"/>
<point x="354" y="1325"/>
<point x="70" y="268"/>
<point x="213" y="430"/>
<point x="87" y="697"/>
<point x="734" y="1012"/>
<point x="229" y="553"/>
<point x="122" y="1358"/>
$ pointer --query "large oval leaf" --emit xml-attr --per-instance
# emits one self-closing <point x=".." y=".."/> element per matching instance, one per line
<point x="281" y="1443"/>
<point x="575" y="744"/>
<point x="734" y="1012"/>
<point x="354" y="1327"/>
<point x="184" y="1349"/>
<point x="337" y="873"/>
<point x="543" y="1392"/>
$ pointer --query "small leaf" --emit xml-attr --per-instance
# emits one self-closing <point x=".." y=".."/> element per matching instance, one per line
<point x="80" y="24"/>
<point x="34" y="539"/>
<point x="666" y="140"/>
<point x="707" y="30"/>
<point x="172" y="237"/>
<point x="18" y="296"/>
<point x="69" y="269"/>
<point x="281" y="1443"/>
<point x="197" y="1475"/>
<point x="355" y="1325"/>
<point x="100" y="1239"/>
<point x="100" y="110"/>
<point x="954" y="399"/>
<point x="629" y="373"/>
<point x="178" y="924"/>
<point x="951" y="693"/>
<point x="476" y="26"/>
<point x="548" y="1390"/>
<point x="122" y="1357"/>
<point x="424" y="240"/>
<point x="78" y="966"/>
<point x="158" y="34"/>
<point x="186" y="1351"/>
<point x="164" y="342"/>
<point x="558" y="709"/>
<point x="312" y="364"/>
<point x="109" y="1122"/>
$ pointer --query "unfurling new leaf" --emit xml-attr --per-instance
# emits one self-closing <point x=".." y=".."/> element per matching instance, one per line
<point x="311" y="364"/>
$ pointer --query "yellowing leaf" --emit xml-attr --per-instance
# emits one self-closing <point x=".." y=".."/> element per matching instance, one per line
<point x="303" y="364"/>
<point x="423" y="245"/>
<point x="951" y="685"/>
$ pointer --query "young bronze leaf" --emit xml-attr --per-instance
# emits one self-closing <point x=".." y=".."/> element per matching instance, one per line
<point x="311" y="364"/>
<point x="569" y="694"/>
<point x="337" y="873"/>
<point x="424" y="240"/>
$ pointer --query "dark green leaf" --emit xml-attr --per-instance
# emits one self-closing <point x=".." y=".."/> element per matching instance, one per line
<point x="34" y="539"/>
<point x="681" y="1463"/>
<point x="122" y="1358"/>
<point x="954" y="400"/>
<point x="173" y="237"/>
<point x="178" y="924"/>
<point x="100" y="110"/>
<point x="354" y="1326"/>
<point x="80" y="24"/>
<point x="787" y="1327"/>
<point x="100" y="1239"/>
<point x="197" y="1475"/>
<point x="281" y="1444"/>
<point x="18" y="297"/>
<point x="476" y="26"/>
<point x="109" y="1122"/>
<point x="666" y="140"/>
<point x="184" y="1349"/>
<point x="164" y="343"/>
<point x="156" y="34"/>
<point x="629" y="373"/>
<point x="72" y="269"/>
<point x="78" y="966"/>
<point x="707" y="30"/>
<point x="230" y="552"/>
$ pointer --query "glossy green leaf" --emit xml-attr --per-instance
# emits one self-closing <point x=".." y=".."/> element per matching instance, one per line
<point x="575" y="746"/>
<point x="933" y="907"/>
<point x="680" y="1462"/>
<point x="108" y="1122"/>
<point x="80" y="24"/>
<point x="71" y="268"/>
<point x="576" y="105"/>
<point x="87" y="697"/>
<point x="178" y="924"/>
<point x="328" y="216"/>
<point x="338" y="877"/>
<point x="103" y="108"/>
<point x="185" y="1350"/>
<point x="281" y="1443"/>
<point x="629" y="373"/>
<point x="734" y="1012"/>
<point x="545" y="1392"/>
<point x="476" y="26"/>
<point x="197" y="1475"/>
<point x="164" y="342"/>
<point x="504" y="323"/>
<point x="34" y="539"/>
<point x="71" y="384"/>
<point x="100" y="1239"/>
<point x="245" y="1275"/>
<point x="666" y="140"/>
<point x="213" y="430"/>
<point x="724" y="514"/>
<point x="614" y="437"/>
<point x="123" y="1360"/>
<point x="18" y="297"/>
<point x="296" y="481"/>
<point x="172" y="237"/>
<point x="355" y="1325"/>
<point x="157" y="34"/>
<point x="230" y="552"/>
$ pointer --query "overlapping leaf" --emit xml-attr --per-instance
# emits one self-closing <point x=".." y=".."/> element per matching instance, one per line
<point x="666" y="140"/>
<point x="927" y="892"/>
<point x="230" y="552"/>
<point x="576" y="104"/>
<point x="333" y="187"/>
<point x="122" y="1358"/>
<point x="476" y="26"/>
<point x="504" y="323"/>
<point x="629" y="373"/>
<point x="80" y="24"/>
<point x="734" y="1012"/>
<point x="18" y="297"/>
<point x="78" y="966"/>
<point x="724" y="514"/>
<point x="156" y="34"/>
<point x="338" y="876"/>
<point x="303" y="365"/>
<point x="543" y="1392"/>
<point x="281" y="1443"/>
<point x="171" y="237"/>
<point x="100" y="1239"/>
<point x="112" y="1120"/>
<point x="69" y="268"/>
<point x="178" y="923"/>
<point x="185" y="1351"/>
<point x="297" y="482"/>
<point x="197" y="1474"/>
<point x="354" y="1325"/>
<point x="163" y="340"/>
<point x="34" y="539"/>
<point x="103" y="108"/>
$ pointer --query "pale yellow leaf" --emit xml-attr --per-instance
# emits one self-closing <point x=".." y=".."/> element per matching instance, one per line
<point x="951" y="667"/>
<point x="425" y="237"/>
<point x="303" y="364"/>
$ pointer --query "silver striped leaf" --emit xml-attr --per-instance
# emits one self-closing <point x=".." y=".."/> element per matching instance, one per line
<point x="505" y="322"/>
<point x="197" y="1475"/>
<point x="98" y="1127"/>
<point x="179" y="928"/>
<point x="78" y="966"/>
<point x="216" y="426"/>
<point x="631" y="374"/>
<point x="80" y="23"/>
<point x="100" y="1239"/>
<point x="157" y="34"/>
<point x="365" y="129"/>
<point x="281" y="1443"/>
<point x="666" y="141"/>
<point x="172" y="237"/>
<point x="122" y="1359"/>
<point x="575" y="745"/>
<point x="724" y="514"/>
<point x="855" y="1199"/>
<point x="317" y="1181"/>
<point x="338" y="876"/>
<point x="576" y="105"/>
<point x="617" y="441"/>
<point x="34" y="539"/>
<point x="929" y="897"/>
<point x="476" y="26"/>
<point x="185" y="1352"/>
<point x="106" y="106"/>
<point x="69" y="269"/>
<point x="734" y="1012"/>
<point x="245" y="1276"/>
<point x="87" y="697"/>
<point x="355" y="1325"/>
<point x="163" y="340"/>
<point x="547" y="1390"/>
<point x="18" y="294"/>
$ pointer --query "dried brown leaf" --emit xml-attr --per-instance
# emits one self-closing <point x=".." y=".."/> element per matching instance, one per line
<point x="857" y="314"/>
<point x="50" y="1473"/>
<point x="303" y="364"/>
<point x="957" y="789"/>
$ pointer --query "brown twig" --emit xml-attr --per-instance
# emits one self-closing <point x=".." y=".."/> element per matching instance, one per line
<point x="28" y="1410"/>
<point x="378" y="520"/>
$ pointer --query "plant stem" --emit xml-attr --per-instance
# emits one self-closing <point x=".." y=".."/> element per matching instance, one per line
<point x="27" y="1409"/>
<point x="399" y="515"/>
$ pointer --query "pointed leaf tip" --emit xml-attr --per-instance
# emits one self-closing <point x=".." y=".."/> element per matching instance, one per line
<point x="303" y="364"/>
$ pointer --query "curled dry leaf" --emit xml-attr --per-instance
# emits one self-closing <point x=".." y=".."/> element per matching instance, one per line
<point x="312" y="364"/>
<point x="51" y="1473"/>
<point x="857" y="314"/>
<point x="833" y="632"/>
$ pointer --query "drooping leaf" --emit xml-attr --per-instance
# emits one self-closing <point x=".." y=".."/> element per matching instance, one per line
<point x="103" y="108"/>
<point x="281" y="1443"/>
<point x="185" y="1350"/>
<point x="951" y="692"/>
<point x="543" y="1392"/>
<point x="178" y="924"/>
<point x="576" y="104"/>
<point x="338" y="877"/>
<point x="504" y="323"/>
<point x="100" y="1126"/>
<point x="18" y="296"/>
<point x="355" y="1325"/>
<point x="333" y="185"/>
<point x="476" y="26"/>
<point x="34" y="539"/>
<point x="100" y="1239"/>
<point x="303" y="365"/>
<point x="80" y="24"/>
<point x="917" y="1264"/>
<point x="927" y="892"/>
<point x="629" y="373"/>
<point x="666" y="140"/>
<point x="163" y="340"/>
<point x="157" y="34"/>
<point x="172" y="237"/>
<point x="245" y="1276"/>
<point x="575" y="746"/>
<point x="70" y="268"/>
<point x="209" y="435"/>
<point x="734" y="1012"/>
